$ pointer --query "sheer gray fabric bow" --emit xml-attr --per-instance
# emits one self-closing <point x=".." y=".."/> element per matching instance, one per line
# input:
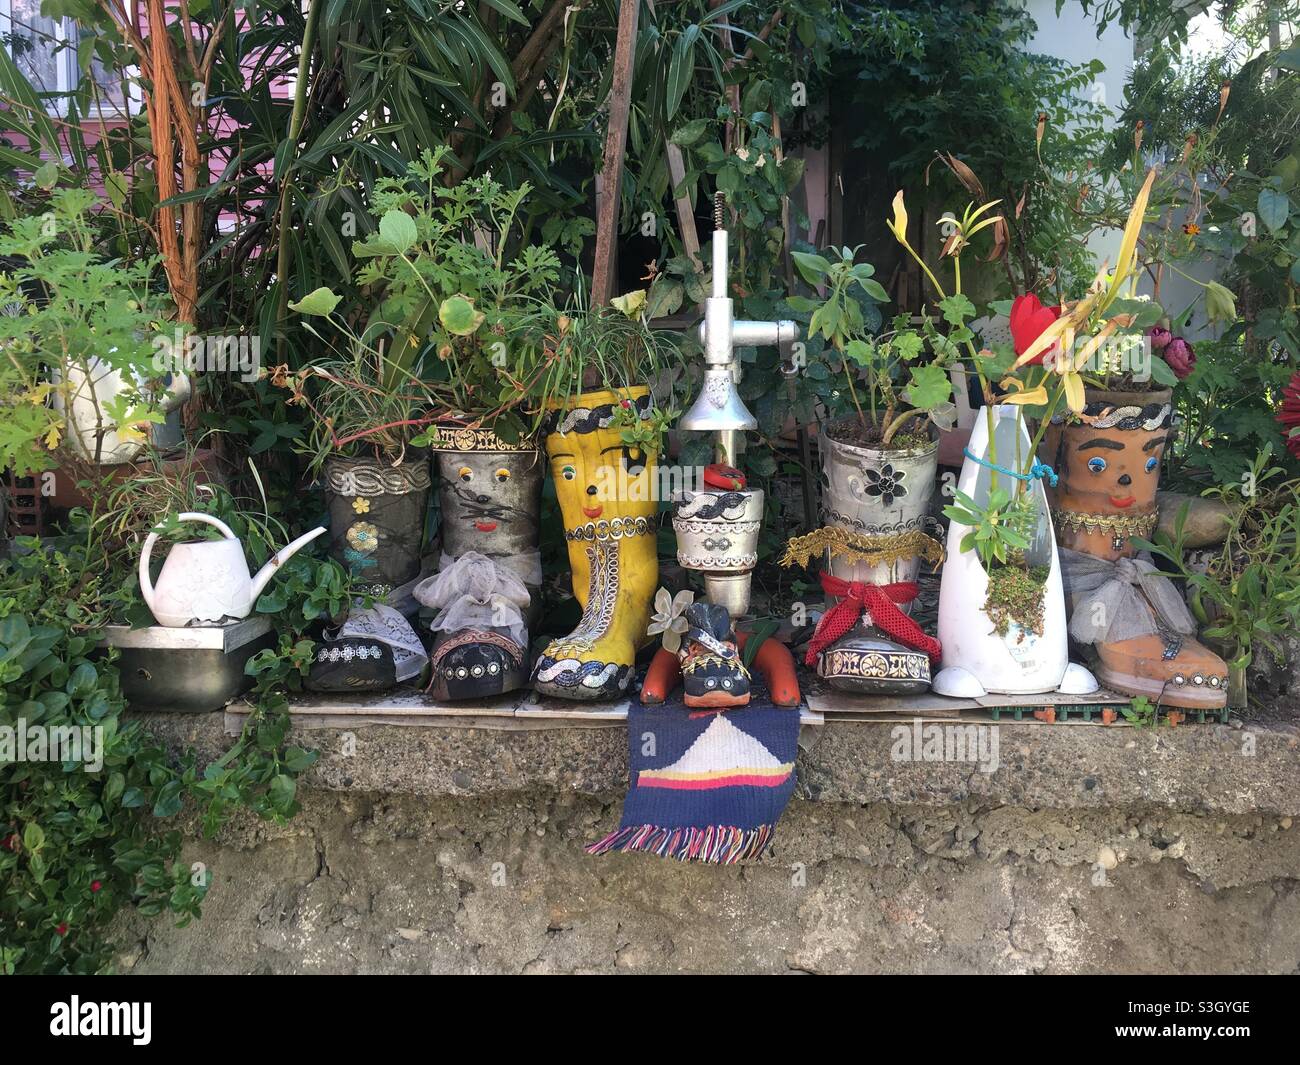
<point x="1121" y="600"/>
<point x="476" y="592"/>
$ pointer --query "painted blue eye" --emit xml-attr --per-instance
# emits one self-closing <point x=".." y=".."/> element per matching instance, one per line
<point x="1152" y="463"/>
<point x="1096" y="464"/>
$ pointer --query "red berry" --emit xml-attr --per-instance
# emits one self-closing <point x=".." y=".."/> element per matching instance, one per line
<point x="626" y="404"/>
<point x="62" y="930"/>
<point x="95" y="885"/>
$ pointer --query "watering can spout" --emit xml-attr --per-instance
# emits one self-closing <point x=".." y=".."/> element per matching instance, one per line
<point x="282" y="556"/>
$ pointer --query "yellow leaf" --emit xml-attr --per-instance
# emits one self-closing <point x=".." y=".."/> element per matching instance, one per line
<point x="1073" y="385"/>
<point x="52" y="436"/>
<point x="630" y="304"/>
<point x="899" y="225"/>
<point x="1128" y="245"/>
<point x="1019" y="394"/>
<point x="1090" y="348"/>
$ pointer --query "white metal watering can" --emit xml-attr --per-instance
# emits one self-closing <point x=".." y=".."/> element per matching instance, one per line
<point x="207" y="580"/>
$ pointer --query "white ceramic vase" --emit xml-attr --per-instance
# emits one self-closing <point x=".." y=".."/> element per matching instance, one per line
<point x="976" y="660"/>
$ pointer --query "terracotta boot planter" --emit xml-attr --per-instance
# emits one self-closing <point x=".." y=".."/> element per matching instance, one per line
<point x="1132" y="617"/>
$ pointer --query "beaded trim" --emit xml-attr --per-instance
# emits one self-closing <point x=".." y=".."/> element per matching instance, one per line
<point x="456" y="438"/>
<point x="615" y="529"/>
<point x="372" y="479"/>
<point x="836" y="518"/>
<point x="861" y="547"/>
<point x="1128" y="524"/>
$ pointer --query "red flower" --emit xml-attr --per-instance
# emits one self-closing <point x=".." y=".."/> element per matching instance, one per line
<point x="62" y="930"/>
<point x="1289" y="415"/>
<point x="11" y="842"/>
<point x="1028" y="320"/>
<point x="95" y="885"/>
<point x="1180" y="357"/>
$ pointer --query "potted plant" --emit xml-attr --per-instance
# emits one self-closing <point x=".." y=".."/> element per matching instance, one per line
<point x="1106" y="447"/>
<point x="90" y="367"/>
<point x="878" y="475"/>
<point x="603" y="443"/>
<point x="443" y="362"/>
<point x="1001" y="563"/>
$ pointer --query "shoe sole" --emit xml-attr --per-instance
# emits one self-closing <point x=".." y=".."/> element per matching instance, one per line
<point x="716" y="698"/>
<point x="1163" y="692"/>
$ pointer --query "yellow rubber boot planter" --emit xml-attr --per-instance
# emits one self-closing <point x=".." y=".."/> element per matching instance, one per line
<point x="606" y="497"/>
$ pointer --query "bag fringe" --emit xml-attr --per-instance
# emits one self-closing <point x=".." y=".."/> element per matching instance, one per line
<point x="715" y="844"/>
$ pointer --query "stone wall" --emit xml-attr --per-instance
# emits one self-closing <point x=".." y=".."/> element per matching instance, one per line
<point x="1090" y="849"/>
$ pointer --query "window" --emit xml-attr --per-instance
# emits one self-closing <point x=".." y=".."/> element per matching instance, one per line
<point x="43" y="50"/>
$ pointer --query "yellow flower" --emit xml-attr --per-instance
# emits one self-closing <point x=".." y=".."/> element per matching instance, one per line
<point x="361" y="506"/>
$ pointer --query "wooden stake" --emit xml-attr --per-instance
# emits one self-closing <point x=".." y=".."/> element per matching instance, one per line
<point x="607" y="203"/>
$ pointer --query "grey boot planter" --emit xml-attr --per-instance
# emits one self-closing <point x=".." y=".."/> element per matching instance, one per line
<point x="882" y="494"/>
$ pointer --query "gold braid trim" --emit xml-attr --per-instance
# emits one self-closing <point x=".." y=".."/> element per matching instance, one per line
<point x="859" y="547"/>
<point x="1128" y="524"/>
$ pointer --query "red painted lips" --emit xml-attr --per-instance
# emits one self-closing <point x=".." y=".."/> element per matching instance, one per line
<point x="485" y="526"/>
<point x="1122" y="501"/>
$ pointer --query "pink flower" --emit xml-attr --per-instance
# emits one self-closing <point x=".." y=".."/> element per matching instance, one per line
<point x="1180" y="356"/>
<point x="1159" y="337"/>
<point x="1289" y="415"/>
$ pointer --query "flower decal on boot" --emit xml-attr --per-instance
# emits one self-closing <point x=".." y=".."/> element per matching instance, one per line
<point x="886" y="483"/>
<point x="363" y="536"/>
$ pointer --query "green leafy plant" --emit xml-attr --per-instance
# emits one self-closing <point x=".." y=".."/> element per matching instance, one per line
<point x="1248" y="597"/>
<point x="77" y="842"/>
<point x="924" y="353"/>
<point x="446" y="340"/>
<point x="1141" y="712"/>
<point x="1000" y="532"/>
<point x="73" y="317"/>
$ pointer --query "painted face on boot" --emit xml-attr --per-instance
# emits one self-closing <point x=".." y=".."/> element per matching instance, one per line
<point x="597" y="483"/>
<point x="489" y="501"/>
<point x="1112" y="468"/>
<point x="1109" y="469"/>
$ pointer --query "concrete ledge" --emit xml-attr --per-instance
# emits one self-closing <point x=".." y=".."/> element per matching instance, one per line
<point x="1198" y="769"/>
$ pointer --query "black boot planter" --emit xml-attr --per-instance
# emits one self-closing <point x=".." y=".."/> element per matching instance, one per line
<point x="377" y="513"/>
